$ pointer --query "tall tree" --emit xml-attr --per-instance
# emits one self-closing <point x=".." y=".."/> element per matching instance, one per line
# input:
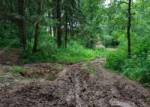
<point x="21" y="22"/>
<point x="129" y="28"/>
<point x="37" y="27"/>
<point x="66" y="28"/>
<point x="59" y="38"/>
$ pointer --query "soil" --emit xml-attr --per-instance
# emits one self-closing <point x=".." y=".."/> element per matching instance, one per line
<point x="62" y="85"/>
<point x="10" y="56"/>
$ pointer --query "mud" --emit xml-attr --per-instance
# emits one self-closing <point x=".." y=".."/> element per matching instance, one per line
<point x="74" y="87"/>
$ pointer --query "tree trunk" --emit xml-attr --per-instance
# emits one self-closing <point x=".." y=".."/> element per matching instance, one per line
<point x="21" y="23"/>
<point x="50" y="26"/>
<point x="59" y="40"/>
<point x="11" y="6"/>
<point x="72" y="26"/>
<point x="66" y="32"/>
<point x="72" y="20"/>
<point x="37" y="28"/>
<point x="128" y="29"/>
<point x="36" y="38"/>
<point x="54" y="27"/>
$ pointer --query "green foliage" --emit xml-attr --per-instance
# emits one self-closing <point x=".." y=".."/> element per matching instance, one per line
<point x="10" y="43"/>
<point x="138" y="68"/>
<point x="116" y="59"/>
<point x="72" y="54"/>
<point x="90" y="43"/>
<point x="106" y="40"/>
<point x="75" y="54"/>
<point x="148" y="98"/>
<point x="17" y="69"/>
<point x="8" y="30"/>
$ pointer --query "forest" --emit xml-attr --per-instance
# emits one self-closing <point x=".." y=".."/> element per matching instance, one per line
<point x="74" y="53"/>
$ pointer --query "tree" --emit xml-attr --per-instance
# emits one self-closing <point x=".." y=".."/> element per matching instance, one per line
<point x="66" y="29"/>
<point x="59" y="38"/>
<point x="37" y="28"/>
<point x="21" y="22"/>
<point x="129" y="28"/>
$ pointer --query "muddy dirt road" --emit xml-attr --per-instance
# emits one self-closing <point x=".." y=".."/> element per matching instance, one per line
<point x="84" y="84"/>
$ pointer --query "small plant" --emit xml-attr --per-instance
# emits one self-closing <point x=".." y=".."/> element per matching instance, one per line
<point x="17" y="69"/>
<point x="89" y="68"/>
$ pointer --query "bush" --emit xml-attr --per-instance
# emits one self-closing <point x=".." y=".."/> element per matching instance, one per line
<point x="116" y="60"/>
<point x="138" y="68"/>
<point x="10" y="43"/>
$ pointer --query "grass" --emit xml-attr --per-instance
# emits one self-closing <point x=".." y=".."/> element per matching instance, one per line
<point x="17" y="69"/>
<point x="74" y="53"/>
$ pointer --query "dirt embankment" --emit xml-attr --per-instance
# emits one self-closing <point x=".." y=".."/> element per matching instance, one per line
<point x="85" y="84"/>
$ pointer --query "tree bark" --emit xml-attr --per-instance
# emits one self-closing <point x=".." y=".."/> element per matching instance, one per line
<point x="37" y="28"/>
<point x="36" y="38"/>
<point x="54" y="13"/>
<point x="11" y="6"/>
<point x="59" y="39"/>
<point x="50" y="26"/>
<point x="66" y="32"/>
<point x="72" y="26"/>
<point x="128" y="29"/>
<point x="21" y="24"/>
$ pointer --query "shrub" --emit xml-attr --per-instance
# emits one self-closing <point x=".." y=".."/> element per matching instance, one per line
<point x="138" y="68"/>
<point x="116" y="60"/>
<point x="9" y="43"/>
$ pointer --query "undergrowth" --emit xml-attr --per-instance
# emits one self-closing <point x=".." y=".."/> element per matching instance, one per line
<point x="136" y="68"/>
<point x="74" y="53"/>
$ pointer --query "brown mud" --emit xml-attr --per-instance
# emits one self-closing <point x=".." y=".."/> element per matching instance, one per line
<point x="84" y="84"/>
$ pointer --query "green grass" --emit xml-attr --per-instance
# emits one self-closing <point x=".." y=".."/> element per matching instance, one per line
<point x="74" y="53"/>
<point x="78" y="54"/>
<point x="17" y="69"/>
